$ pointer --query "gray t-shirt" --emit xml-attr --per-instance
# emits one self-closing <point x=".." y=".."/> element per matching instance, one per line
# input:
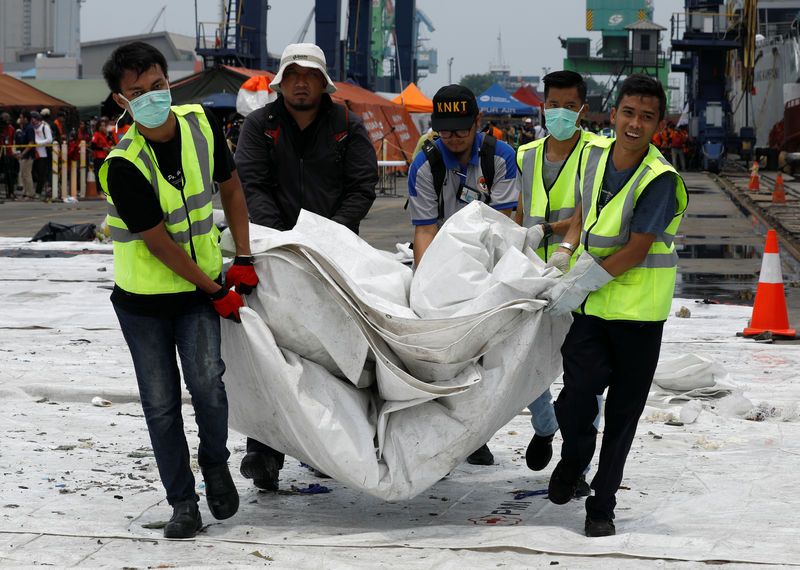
<point x="423" y="204"/>
<point x="550" y="170"/>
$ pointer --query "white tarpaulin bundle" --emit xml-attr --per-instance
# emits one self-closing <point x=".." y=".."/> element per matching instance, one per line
<point x="381" y="378"/>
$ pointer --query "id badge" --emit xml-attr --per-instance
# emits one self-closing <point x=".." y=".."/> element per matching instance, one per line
<point x="467" y="195"/>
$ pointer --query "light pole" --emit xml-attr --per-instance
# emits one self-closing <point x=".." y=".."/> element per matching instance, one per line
<point x="450" y="71"/>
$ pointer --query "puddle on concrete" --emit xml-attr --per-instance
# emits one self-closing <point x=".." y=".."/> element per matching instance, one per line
<point x="716" y="216"/>
<point x="689" y="236"/>
<point x="44" y="253"/>
<point x="717" y="251"/>
<point x="738" y="289"/>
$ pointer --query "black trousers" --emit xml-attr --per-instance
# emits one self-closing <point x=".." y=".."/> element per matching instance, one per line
<point x="599" y="354"/>
<point x="42" y="173"/>
<point x="9" y="168"/>
<point x="255" y="445"/>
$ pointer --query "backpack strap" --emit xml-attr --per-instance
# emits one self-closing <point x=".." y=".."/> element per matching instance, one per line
<point x="438" y="171"/>
<point x="486" y="155"/>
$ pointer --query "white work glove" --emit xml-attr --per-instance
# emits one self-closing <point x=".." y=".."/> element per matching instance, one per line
<point x="559" y="260"/>
<point x="584" y="277"/>
<point x="534" y="237"/>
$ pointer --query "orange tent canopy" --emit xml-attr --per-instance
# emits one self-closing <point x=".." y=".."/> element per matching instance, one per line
<point x="414" y="100"/>
<point x="390" y="127"/>
<point x="18" y="95"/>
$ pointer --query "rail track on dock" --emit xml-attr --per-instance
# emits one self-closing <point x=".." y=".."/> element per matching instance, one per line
<point x="784" y="219"/>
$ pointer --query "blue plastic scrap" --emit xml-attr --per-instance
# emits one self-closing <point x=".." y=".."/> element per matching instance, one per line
<point x="520" y="496"/>
<point x="314" y="489"/>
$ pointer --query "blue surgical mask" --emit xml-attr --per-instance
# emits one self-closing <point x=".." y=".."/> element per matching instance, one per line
<point x="561" y="122"/>
<point x="151" y="109"/>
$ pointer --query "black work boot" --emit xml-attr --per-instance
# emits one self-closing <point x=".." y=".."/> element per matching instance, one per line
<point x="262" y="469"/>
<point x="481" y="456"/>
<point x="599" y="527"/>
<point x="185" y="521"/>
<point x="583" y="489"/>
<point x="563" y="483"/>
<point x="539" y="452"/>
<point x="221" y="493"/>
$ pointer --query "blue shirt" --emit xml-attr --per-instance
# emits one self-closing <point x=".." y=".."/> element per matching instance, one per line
<point x="27" y="136"/>
<point x="422" y="200"/>
<point x="655" y="207"/>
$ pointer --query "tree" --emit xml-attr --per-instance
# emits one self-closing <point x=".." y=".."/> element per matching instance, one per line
<point x="477" y="82"/>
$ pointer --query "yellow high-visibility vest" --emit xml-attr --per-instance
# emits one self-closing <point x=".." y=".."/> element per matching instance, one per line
<point x="643" y="292"/>
<point x="541" y="204"/>
<point x="188" y="213"/>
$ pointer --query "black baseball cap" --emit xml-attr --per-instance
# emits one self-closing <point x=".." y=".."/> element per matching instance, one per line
<point x="454" y="108"/>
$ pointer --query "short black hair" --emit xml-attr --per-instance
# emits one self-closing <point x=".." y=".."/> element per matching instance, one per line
<point x="135" y="56"/>
<point x="564" y="80"/>
<point x="644" y="86"/>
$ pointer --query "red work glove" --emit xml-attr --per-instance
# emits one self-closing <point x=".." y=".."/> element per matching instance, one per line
<point x="227" y="303"/>
<point x="242" y="275"/>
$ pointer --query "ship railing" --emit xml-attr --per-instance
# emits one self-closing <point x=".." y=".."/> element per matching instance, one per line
<point x="777" y="31"/>
<point x="717" y="23"/>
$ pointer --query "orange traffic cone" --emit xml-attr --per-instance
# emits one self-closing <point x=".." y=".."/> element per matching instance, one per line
<point x="754" y="178"/>
<point x="769" y="310"/>
<point x="779" y="194"/>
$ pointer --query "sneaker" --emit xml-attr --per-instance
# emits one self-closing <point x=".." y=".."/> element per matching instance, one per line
<point x="539" y="452"/>
<point x="599" y="527"/>
<point x="185" y="521"/>
<point x="583" y="489"/>
<point x="263" y="469"/>
<point x="481" y="456"/>
<point x="221" y="493"/>
<point x="563" y="484"/>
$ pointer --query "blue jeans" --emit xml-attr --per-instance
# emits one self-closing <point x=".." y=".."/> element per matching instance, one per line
<point x="152" y="341"/>
<point x="543" y="416"/>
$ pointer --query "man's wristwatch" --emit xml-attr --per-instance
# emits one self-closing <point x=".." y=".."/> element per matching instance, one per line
<point x="548" y="229"/>
<point x="567" y="245"/>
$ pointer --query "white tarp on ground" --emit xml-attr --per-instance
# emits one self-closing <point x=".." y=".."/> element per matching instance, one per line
<point x="384" y="379"/>
<point x="80" y="486"/>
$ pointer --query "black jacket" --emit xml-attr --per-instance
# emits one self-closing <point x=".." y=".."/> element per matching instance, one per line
<point x="309" y="173"/>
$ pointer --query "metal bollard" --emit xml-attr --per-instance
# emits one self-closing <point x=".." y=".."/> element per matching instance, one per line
<point x="54" y="167"/>
<point x="73" y="179"/>
<point x="64" y="170"/>
<point x="83" y="169"/>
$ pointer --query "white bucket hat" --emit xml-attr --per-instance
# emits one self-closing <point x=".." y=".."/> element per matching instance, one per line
<point x="304" y="55"/>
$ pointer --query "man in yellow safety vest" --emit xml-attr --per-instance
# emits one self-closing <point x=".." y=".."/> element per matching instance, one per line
<point x="549" y="196"/>
<point x="168" y="292"/>
<point x="619" y="290"/>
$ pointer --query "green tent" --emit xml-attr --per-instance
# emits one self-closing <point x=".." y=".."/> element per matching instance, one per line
<point x="86" y="94"/>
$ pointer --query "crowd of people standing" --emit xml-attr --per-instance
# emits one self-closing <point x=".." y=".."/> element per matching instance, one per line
<point x="26" y="153"/>
<point x="674" y="142"/>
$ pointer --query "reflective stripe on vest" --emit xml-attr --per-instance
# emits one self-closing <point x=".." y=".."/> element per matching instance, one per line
<point x="559" y="201"/>
<point x="188" y="213"/>
<point x="644" y="292"/>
